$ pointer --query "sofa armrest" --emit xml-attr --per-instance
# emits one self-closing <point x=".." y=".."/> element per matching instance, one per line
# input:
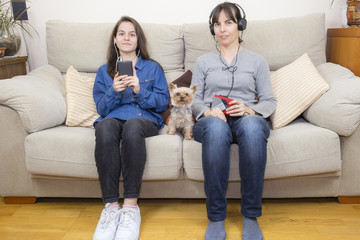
<point x="14" y="178"/>
<point x="339" y="108"/>
<point x="350" y="166"/>
<point x="38" y="98"/>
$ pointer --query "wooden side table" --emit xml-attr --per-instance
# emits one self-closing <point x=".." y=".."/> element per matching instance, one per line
<point x="12" y="66"/>
<point x="343" y="47"/>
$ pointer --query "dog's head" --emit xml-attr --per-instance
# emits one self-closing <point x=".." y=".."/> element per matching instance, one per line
<point x="182" y="96"/>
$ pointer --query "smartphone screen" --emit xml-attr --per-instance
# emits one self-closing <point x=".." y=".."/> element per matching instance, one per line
<point x="124" y="68"/>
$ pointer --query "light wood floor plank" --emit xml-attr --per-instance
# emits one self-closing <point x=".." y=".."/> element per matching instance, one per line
<point x="76" y="219"/>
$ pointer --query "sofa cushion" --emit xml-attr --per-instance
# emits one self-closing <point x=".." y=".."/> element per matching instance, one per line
<point x="38" y="97"/>
<point x="298" y="149"/>
<point x="296" y="86"/>
<point x="69" y="152"/>
<point x="279" y="41"/>
<point x="339" y="108"/>
<point x="81" y="109"/>
<point x="198" y="41"/>
<point x="167" y="49"/>
<point x="85" y="45"/>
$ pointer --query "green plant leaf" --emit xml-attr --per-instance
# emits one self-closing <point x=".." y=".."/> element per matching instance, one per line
<point x="7" y="19"/>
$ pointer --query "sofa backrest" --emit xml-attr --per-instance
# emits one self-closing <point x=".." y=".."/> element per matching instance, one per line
<point x="176" y="47"/>
<point x="82" y="45"/>
<point x="280" y="41"/>
<point x="85" y="45"/>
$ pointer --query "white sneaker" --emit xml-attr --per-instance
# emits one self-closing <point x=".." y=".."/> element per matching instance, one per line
<point x="129" y="224"/>
<point x="107" y="225"/>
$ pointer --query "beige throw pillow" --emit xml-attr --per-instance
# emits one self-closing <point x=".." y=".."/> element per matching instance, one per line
<point x="81" y="110"/>
<point x="296" y="86"/>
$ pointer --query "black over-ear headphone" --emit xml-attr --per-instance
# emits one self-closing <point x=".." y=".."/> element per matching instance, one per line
<point x="241" y="21"/>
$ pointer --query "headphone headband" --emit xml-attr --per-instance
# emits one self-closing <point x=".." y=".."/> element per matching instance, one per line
<point x="241" y="21"/>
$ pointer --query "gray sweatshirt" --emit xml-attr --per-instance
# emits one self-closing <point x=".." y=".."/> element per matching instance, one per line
<point x="251" y="85"/>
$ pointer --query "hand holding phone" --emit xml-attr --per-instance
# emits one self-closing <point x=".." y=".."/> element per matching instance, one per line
<point x="124" y="68"/>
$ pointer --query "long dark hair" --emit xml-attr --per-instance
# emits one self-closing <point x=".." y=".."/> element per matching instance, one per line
<point x="141" y="44"/>
<point x="230" y="9"/>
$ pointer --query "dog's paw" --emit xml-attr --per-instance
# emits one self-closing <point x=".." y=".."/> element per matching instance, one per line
<point x="188" y="136"/>
<point x="170" y="133"/>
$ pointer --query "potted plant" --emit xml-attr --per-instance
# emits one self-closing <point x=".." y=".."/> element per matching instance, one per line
<point x="8" y="25"/>
<point x="352" y="12"/>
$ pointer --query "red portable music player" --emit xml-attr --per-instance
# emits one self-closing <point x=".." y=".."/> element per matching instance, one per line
<point x="221" y="102"/>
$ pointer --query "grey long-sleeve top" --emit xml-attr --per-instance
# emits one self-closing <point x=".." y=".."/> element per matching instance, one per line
<point x="252" y="84"/>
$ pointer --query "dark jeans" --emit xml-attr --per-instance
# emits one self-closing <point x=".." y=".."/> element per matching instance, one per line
<point x="216" y="135"/>
<point x="130" y="158"/>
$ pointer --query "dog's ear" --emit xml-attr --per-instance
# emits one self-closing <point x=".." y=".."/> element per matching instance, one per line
<point x="172" y="86"/>
<point x="194" y="88"/>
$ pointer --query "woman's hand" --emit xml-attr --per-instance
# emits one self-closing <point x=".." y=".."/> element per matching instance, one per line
<point x="119" y="85"/>
<point x="238" y="109"/>
<point x="216" y="112"/>
<point x="132" y="81"/>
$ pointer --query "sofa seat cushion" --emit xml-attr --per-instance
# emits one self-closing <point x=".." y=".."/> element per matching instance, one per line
<point x="69" y="152"/>
<point x="298" y="149"/>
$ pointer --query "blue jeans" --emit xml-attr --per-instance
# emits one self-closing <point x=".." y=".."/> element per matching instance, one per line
<point x="251" y="134"/>
<point x="111" y="160"/>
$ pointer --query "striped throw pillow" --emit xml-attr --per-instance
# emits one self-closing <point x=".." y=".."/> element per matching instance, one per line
<point x="81" y="110"/>
<point x="296" y="86"/>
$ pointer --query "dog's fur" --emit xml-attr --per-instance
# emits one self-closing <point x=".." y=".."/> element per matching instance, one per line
<point x="181" y="117"/>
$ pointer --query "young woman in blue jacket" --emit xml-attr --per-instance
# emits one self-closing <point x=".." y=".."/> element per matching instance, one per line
<point x="129" y="108"/>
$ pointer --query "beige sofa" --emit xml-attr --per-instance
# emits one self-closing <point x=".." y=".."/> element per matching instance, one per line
<point x="316" y="155"/>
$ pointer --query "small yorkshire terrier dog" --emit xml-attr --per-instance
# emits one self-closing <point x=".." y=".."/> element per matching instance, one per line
<point x="181" y="116"/>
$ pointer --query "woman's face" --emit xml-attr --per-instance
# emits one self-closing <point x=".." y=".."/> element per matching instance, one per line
<point x="226" y="30"/>
<point x="126" y="38"/>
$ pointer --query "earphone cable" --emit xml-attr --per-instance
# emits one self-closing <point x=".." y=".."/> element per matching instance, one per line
<point x="231" y="68"/>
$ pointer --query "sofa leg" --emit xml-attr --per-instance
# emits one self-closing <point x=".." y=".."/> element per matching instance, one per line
<point x="20" y="200"/>
<point x="349" y="199"/>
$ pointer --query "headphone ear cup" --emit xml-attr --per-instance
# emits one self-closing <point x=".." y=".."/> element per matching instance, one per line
<point x="242" y="24"/>
<point x="212" y="29"/>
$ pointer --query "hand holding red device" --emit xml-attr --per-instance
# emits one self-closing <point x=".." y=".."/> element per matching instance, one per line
<point x="221" y="102"/>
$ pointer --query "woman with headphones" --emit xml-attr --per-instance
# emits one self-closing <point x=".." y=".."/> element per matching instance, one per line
<point x="129" y="109"/>
<point x="242" y="79"/>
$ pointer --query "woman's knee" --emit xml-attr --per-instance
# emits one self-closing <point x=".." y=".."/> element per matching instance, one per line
<point x="139" y="128"/>
<point x="107" y="127"/>
<point x="108" y="131"/>
<point x="216" y="129"/>
<point x="254" y="127"/>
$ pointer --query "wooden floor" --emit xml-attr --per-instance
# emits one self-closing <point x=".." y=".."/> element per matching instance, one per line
<point x="75" y="219"/>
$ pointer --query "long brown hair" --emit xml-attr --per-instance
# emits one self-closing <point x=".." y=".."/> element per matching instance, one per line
<point x="141" y="44"/>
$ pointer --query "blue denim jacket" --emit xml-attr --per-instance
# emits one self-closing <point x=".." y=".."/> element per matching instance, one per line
<point x="152" y="99"/>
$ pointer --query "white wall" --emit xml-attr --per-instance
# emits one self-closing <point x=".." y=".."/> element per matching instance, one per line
<point x="161" y="11"/>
